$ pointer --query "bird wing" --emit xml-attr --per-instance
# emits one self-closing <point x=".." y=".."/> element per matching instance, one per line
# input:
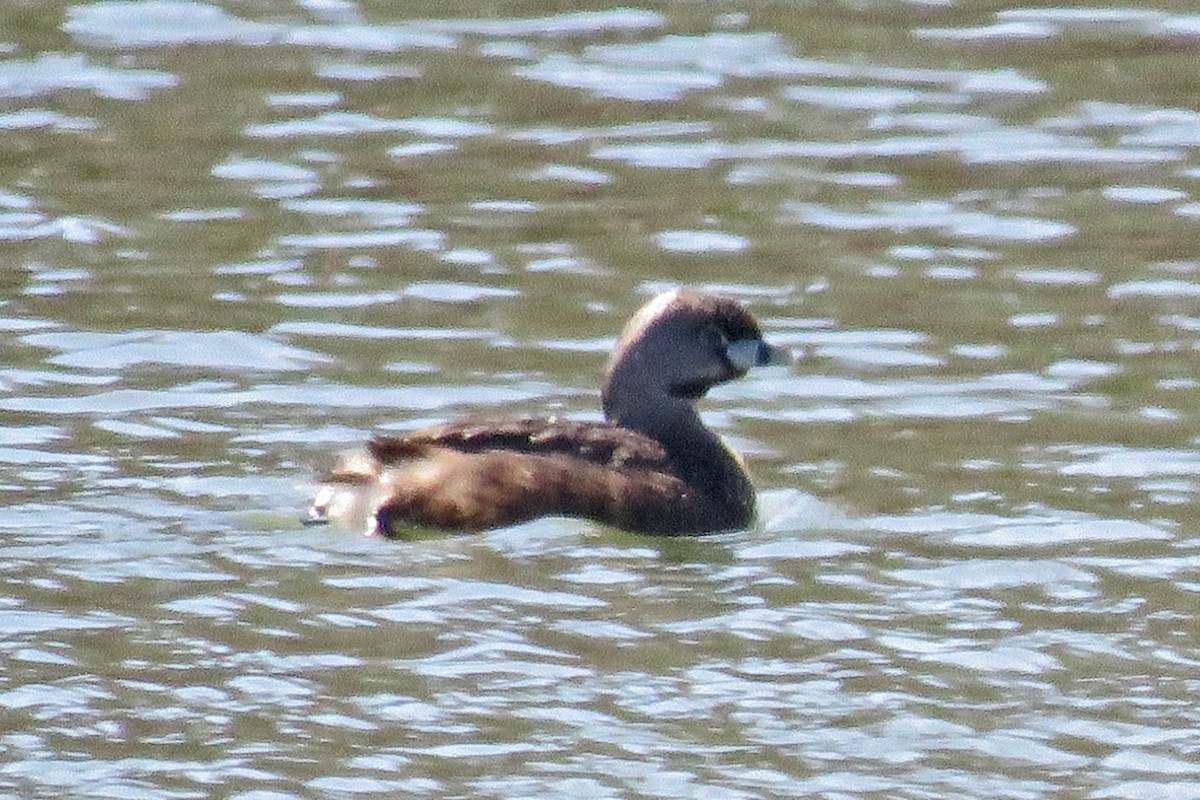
<point x="600" y="443"/>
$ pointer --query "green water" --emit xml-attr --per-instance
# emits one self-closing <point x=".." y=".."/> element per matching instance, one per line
<point x="237" y="239"/>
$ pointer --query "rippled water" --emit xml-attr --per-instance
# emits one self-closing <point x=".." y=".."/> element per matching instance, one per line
<point x="241" y="237"/>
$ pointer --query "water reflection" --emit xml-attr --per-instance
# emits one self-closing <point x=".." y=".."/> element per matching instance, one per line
<point x="238" y="241"/>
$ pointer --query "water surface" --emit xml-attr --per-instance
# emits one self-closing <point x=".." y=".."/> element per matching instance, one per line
<point x="240" y="238"/>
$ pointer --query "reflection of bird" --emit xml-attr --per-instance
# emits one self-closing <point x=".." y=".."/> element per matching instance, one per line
<point x="652" y="467"/>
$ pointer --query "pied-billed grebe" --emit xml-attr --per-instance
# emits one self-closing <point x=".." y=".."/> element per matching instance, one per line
<point x="652" y="467"/>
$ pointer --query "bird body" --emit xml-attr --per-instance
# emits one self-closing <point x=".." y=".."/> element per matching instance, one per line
<point x="652" y="467"/>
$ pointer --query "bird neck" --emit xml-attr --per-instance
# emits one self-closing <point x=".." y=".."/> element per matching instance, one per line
<point x="701" y="458"/>
<point x="640" y="399"/>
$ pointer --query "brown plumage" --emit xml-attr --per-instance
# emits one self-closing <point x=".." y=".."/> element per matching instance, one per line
<point x="652" y="467"/>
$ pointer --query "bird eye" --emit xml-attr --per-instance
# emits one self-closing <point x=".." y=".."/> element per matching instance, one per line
<point x="715" y="338"/>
